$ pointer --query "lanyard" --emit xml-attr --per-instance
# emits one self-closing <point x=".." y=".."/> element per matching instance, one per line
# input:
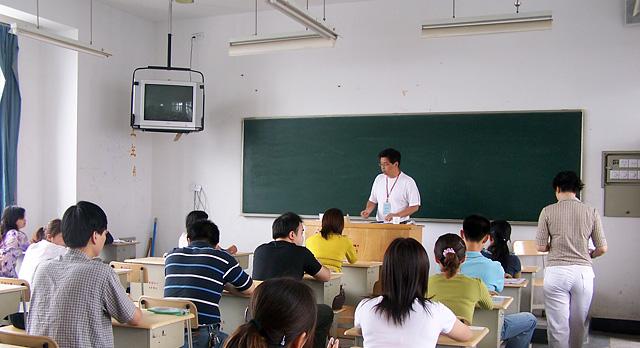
<point x="392" y="186"/>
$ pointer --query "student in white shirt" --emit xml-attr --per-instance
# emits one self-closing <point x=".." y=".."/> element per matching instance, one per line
<point x="403" y="317"/>
<point x="50" y="247"/>
<point x="394" y="192"/>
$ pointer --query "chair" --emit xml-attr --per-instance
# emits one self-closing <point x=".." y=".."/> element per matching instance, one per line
<point x="27" y="340"/>
<point x="139" y="273"/>
<point x="149" y="302"/>
<point x="26" y="294"/>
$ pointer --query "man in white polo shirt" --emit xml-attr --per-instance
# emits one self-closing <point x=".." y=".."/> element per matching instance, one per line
<point x="394" y="192"/>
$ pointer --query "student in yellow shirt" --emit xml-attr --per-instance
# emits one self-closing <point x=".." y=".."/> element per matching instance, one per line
<point x="329" y="246"/>
<point x="456" y="291"/>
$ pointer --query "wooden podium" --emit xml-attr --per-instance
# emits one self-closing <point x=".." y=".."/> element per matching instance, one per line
<point x="371" y="240"/>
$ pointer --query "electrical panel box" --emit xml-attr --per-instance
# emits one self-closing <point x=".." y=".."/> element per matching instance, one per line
<point x="621" y="182"/>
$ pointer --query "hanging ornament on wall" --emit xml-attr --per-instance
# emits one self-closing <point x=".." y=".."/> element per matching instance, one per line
<point x="132" y="152"/>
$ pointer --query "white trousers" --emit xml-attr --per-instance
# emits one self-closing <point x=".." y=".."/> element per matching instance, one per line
<point x="567" y="297"/>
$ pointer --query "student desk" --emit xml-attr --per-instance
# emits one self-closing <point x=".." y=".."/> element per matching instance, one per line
<point x="4" y="345"/>
<point x="155" y="269"/>
<point x="119" y="251"/>
<point x="478" y="333"/>
<point x="123" y="275"/>
<point x="493" y="320"/>
<point x="10" y="298"/>
<point x="515" y="291"/>
<point x="325" y="291"/>
<point x="358" y="280"/>
<point x="154" y="331"/>
<point x="528" y="273"/>
<point x="232" y="310"/>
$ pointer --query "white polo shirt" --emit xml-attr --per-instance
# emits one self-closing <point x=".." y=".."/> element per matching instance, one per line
<point x="403" y="192"/>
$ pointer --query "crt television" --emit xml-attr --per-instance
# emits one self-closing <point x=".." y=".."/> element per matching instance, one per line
<point x="171" y="106"/>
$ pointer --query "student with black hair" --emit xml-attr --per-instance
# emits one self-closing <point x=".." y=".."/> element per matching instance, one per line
<point x="329" y="246"/>
<point x="192" y="217"/>
<point x="498" y="250"/>
<point x="286" y="257"/>
<point x="74" y="297"/>
<point x="394" y="192"/>
<point x="200" y="272"/>
<point x="403" y="316"/>
<point x="564" y="230"/>
<point x="13" y="242"/>
<point x="518" y="328"/>
<point x="283" y="312"/>
<point x="458" y="292"/>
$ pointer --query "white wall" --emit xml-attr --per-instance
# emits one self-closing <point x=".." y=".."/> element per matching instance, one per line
<point x="100" y="168"/>
<point x="381" y="65"/>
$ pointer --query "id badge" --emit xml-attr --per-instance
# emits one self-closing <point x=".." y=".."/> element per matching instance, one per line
<point x="386" y="209"/>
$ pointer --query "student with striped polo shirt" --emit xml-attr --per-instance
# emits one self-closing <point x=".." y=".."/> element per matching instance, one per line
<point x="199" y="273"/>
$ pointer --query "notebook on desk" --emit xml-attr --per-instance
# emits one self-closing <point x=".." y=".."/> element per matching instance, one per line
<point x="514" y="281"/>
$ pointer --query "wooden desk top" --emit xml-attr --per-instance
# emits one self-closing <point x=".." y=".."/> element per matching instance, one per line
<point x="5" y="345"/>
<point x="477" y="332"/>
<point x="159" y="261"/>
<point x="256" y="283"/>
<point x="147" y="260"/>
<point x="362" y="264"/>
<point x="120" y="271"/>
<point x="501" y="302"/>
<point x="334" y="276"/>
<point x="367" y="225"/>
<point x="152" y="321"/>
<point x="8" y="288"/>
<point x="520" y="285"/>
<point x="530" y="269"/>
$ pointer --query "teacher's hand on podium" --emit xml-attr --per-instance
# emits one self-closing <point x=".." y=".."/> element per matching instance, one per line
<point x="365" y="214"/>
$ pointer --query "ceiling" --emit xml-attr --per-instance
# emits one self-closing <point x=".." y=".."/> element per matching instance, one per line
<point x="157" y="10"/>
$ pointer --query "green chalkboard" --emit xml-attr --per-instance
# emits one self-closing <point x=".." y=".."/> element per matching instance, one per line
<point x="499" y="164"/>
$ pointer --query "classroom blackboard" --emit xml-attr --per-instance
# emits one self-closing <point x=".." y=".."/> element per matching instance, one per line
<point x="499" y="164"/>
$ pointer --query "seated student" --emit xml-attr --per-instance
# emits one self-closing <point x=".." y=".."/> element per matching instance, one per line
<point x="199" y="273"/>
<point x="50" y="247"/>
<point x="498" y="250"/>
<point x="475" y="232"/>
<point x="73" y="297"/>
<point x="284" y="314"/>
<point x="458" y="292"/>
<point x="518" y="328"/>
<point x="192" y="217"/>
<point x="403" y="316"/>
<point x="13" y="242"/>
<point x="329" y="246"/>
<point x="286" y="257"/>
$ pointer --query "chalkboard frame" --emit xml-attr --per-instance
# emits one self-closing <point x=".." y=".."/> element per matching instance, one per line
<point x="416" y="114"/>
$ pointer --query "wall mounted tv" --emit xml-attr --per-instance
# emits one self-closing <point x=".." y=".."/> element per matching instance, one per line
<point x="167" y="106"/>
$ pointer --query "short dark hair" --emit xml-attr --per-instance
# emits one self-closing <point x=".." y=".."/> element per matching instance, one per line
<point x="284" y="224"/>
<point x="392" y="155"/>
<point x="332" y="222"/>
<point x="475" y="227"/>
<point x="567" y="181"/>
<point x="194" y="216"/>
<point x="204" y="230"/>
<point x="80" y="221"/>
<point x="404" y="279"/>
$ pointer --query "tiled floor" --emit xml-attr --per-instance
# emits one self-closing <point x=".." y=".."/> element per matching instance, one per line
<point x="607" y="340"/>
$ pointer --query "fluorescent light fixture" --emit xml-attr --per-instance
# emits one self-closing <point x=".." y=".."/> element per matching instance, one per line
<point x="304" y="18"/>
<point x="265" y="44"/>
<point x="32" y="32"/>
<point x="487" y="24"/>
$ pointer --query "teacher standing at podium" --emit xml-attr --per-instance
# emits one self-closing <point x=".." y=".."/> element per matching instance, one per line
<point x="394" y="192"/>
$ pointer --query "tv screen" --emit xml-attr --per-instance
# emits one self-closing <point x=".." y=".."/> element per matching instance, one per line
<point x="173" y="103"/>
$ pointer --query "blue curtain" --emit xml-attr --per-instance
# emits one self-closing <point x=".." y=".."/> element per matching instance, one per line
<point x="9" y="117"/>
